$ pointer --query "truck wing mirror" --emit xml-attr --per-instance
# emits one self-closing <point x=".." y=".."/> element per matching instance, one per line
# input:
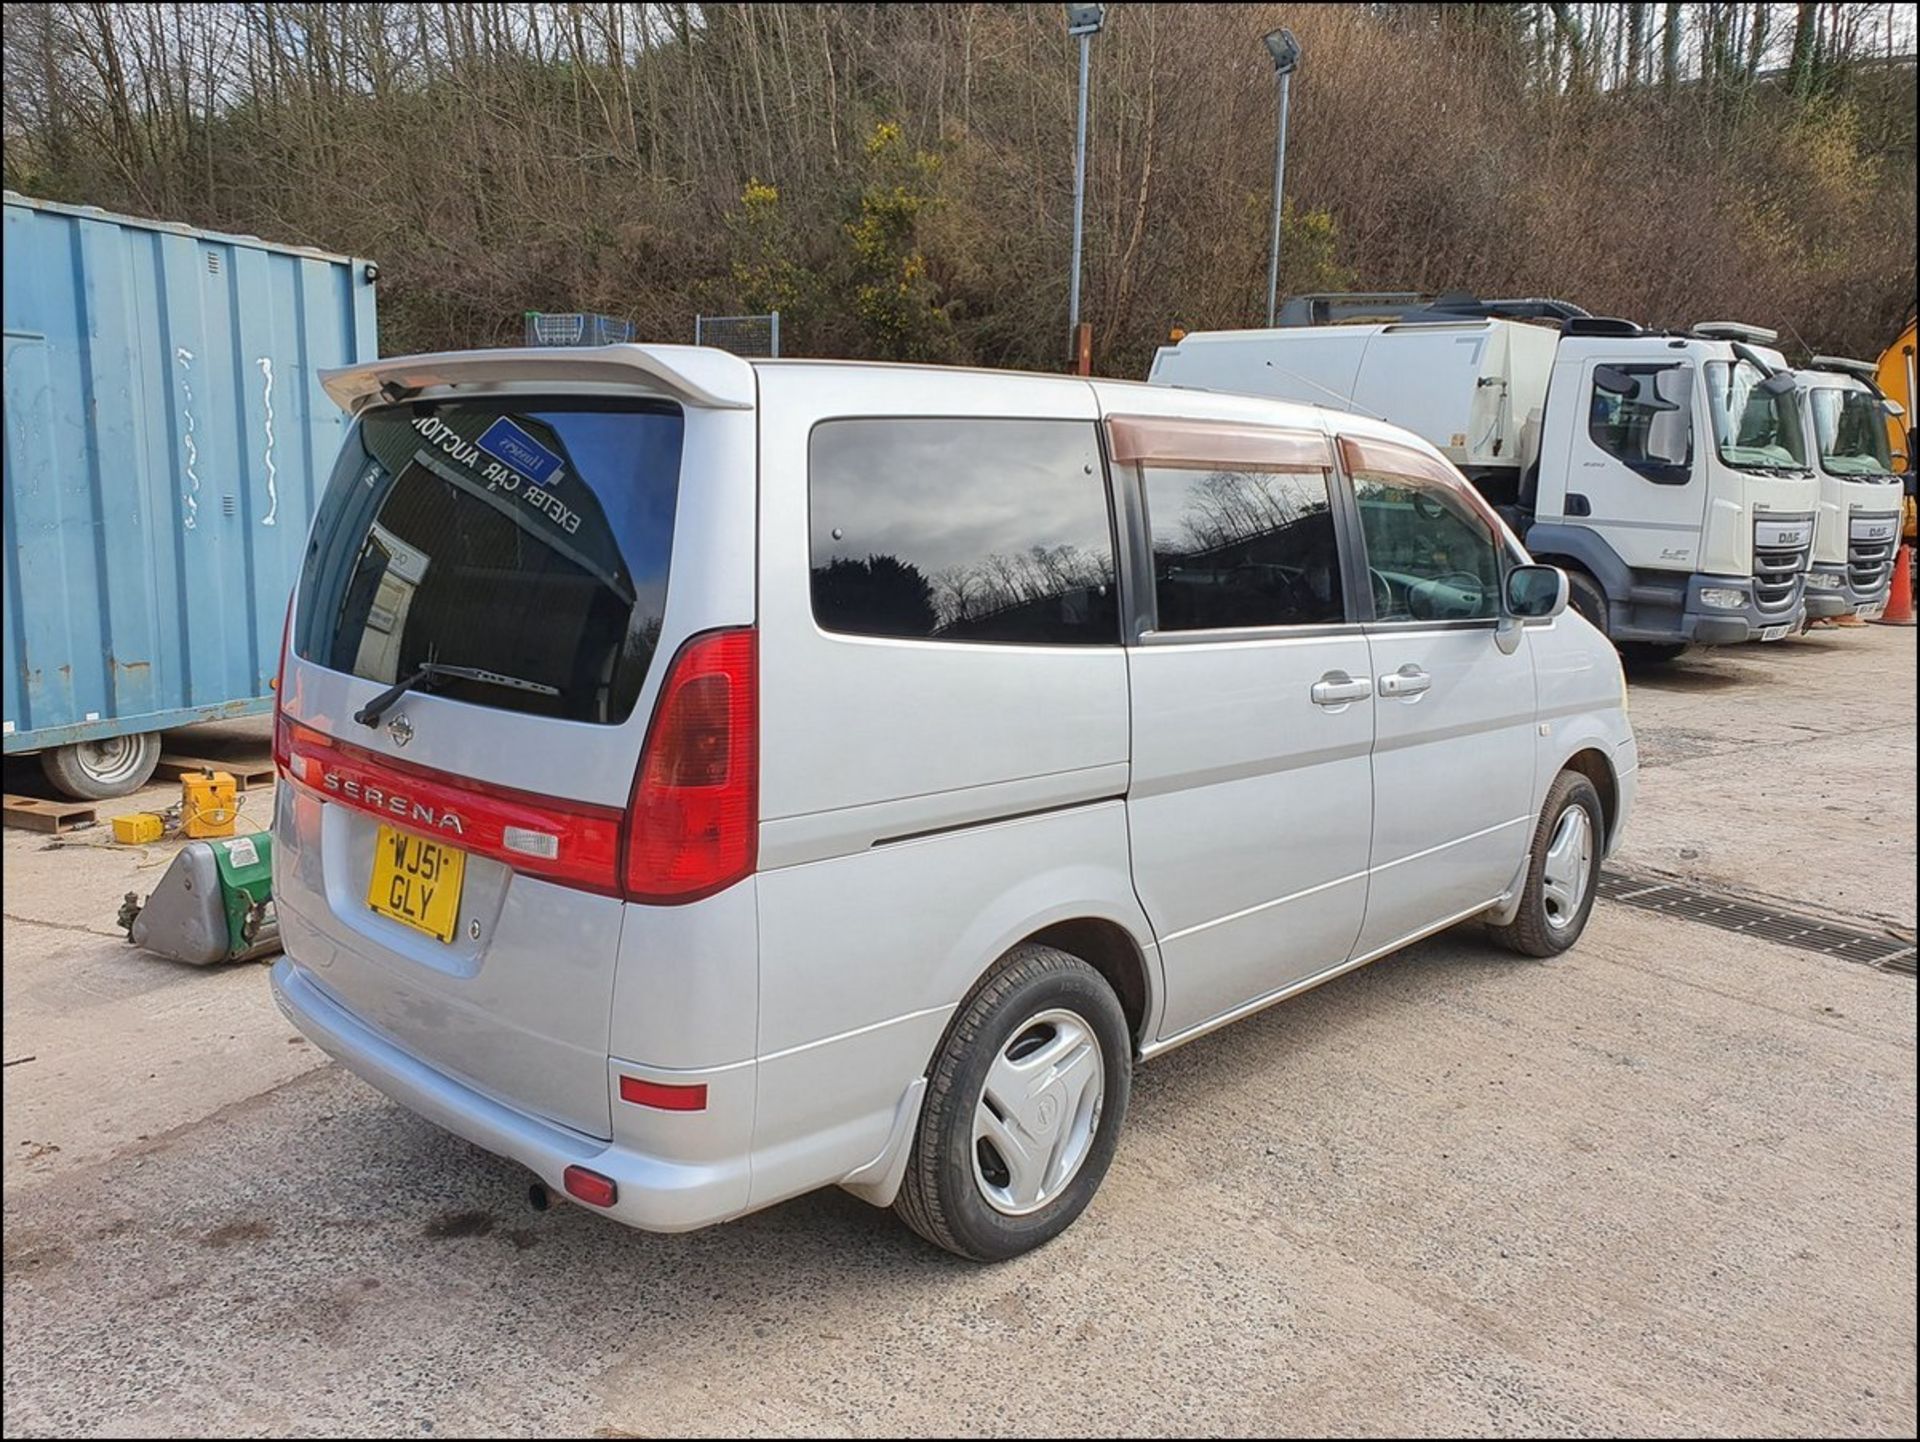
<point x="1780" y="383"/>
<point x="1613" y="379"/>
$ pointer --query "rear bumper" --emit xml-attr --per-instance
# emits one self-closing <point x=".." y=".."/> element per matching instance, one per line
<point x="654" y="1194"/>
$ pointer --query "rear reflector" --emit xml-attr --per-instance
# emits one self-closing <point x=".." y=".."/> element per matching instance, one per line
<point x="590" y="1187"/>
<point x="660" y="1095"/>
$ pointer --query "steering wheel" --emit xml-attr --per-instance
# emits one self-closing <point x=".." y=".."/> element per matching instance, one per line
<point x="1382" y="594"/>
<point x="1464" y="581"/>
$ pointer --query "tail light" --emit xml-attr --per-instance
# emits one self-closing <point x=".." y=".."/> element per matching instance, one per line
<point x="692" y="825"/>
<point x="280" y="727"/>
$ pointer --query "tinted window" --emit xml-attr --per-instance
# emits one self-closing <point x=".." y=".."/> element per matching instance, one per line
<point x="962" y="530"/>
<point x="1643" y="416"/>
<point x="525" y="538"/>
<point x="1242" y="548"/>
<point x="1431" y="555"/>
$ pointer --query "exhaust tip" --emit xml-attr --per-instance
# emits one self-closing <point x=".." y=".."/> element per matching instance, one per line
<point x="538" y="1197"/>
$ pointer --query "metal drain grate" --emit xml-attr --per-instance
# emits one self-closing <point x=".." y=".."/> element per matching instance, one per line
<point x="1805" y="932"/>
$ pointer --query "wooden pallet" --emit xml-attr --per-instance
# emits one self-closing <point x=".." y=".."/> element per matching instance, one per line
<point x="36" y="813"/>
<point x="246" y="770"/>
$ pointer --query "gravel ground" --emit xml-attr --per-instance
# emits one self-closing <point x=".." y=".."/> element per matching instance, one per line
<point x="1662" y="1184"/>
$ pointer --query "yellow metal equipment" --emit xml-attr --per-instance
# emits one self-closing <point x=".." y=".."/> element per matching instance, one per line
<point x="137" y="828"/>
<point x="207" y="804"/>
<point x="1897" y="380"/>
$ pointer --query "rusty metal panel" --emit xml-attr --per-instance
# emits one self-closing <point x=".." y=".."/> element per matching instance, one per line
<point x="166" y="439"/>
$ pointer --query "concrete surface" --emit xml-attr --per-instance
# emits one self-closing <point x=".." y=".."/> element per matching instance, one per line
<point x="1784" y="771"/>
<point x="1665" y="1183"/>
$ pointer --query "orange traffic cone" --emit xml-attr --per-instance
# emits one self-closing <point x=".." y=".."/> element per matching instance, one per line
<point x="1899" y="610"/>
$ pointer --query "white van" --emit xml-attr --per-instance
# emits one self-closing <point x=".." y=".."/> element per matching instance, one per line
<point x="707" y="781"/>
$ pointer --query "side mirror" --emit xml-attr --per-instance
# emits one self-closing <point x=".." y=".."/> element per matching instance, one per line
<point x="1536" y="593"/>
<point x="1780" y="383"/>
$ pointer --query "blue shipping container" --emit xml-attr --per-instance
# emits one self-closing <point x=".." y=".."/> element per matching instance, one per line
<point x="166" y="441"/>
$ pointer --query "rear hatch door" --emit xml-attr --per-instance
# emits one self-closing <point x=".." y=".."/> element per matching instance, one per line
<point x="450" y="865"/>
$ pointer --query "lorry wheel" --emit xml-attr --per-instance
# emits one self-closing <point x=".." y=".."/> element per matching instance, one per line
<point x="1563" y="871"/>
<point x="1024" y="1104"/>
<point x="1653" y="653"/>
<point x="1589" y="600"/>
<point x="99" y="770"/>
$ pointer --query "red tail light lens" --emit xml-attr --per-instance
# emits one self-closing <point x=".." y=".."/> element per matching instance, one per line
<point x="693" y="825"/>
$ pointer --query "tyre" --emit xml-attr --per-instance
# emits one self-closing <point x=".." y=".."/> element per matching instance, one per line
<point x="1586" y="597"/>
<point x="1025" y="1100"/>
<point x="98" y="770"/>
<point x="1653" y="653"/>
<point x="1563" y="872"/>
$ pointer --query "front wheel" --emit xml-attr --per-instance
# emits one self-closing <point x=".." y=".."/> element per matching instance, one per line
<point x="99" y="770"/>
<point x="1024" y="1104"/>
<point x="1586" y="597"/>
<point x="1653" y="653"/>
<point x="1563" y="874"/>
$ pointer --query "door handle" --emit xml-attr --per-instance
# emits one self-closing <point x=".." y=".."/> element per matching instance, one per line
<point x="1409" y="680"/>
<point x="1337" y="688"/>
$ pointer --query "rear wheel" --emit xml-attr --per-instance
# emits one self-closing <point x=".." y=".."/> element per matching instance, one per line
<point x="98" y="770"/>
<point x="1586" y="597"/>
<point x="1023" y="1110"/>
<point x="1563" y="873"/>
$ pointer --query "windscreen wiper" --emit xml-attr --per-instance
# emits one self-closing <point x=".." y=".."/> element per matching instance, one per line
<point x="430" y="671"/>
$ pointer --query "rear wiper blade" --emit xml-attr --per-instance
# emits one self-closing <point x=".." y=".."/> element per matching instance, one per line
<point x="370" y="714"/>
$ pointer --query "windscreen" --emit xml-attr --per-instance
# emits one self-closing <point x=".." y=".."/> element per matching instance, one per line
<point x="527" y="538"/>
<point x="1755" y="430"/>
<point x="1851" y="428"/>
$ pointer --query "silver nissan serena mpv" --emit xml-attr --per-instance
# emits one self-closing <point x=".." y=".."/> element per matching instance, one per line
<point x="708" y="780"/>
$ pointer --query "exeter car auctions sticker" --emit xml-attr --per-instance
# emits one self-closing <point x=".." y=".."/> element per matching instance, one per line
<point x="512" y="446"/>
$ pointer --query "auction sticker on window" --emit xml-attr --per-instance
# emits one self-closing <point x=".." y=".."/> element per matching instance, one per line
<point x="512" y="446"/>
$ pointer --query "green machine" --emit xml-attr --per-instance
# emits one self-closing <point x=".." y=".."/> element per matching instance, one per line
<point x="214" y="903"/>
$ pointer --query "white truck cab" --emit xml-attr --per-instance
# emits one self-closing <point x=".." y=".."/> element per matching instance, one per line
<point x="1843" y="415"/>
<point x="1666" y="473"/>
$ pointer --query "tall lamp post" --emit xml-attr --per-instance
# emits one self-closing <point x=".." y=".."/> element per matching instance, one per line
<point x="1083" y="23"/>
<point x="1285" y="51"/>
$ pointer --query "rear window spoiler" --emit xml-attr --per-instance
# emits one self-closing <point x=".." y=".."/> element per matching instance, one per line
<point x="693" y="375"/>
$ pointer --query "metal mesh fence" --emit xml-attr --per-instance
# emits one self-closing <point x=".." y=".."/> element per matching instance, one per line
<point x="749" y="335"/>
<point x="574" y="327"/>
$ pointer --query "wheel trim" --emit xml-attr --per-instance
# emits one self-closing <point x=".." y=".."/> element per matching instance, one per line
<point x="1568" y="870"/>
<point x="1038" y="1112"/>
<point x="110" y="760"/>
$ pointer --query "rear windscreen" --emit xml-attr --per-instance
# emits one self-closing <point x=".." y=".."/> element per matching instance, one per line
<point x="524" y="537"/>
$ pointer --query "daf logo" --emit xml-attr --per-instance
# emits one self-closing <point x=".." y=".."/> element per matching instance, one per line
<point x="400" y="729"/>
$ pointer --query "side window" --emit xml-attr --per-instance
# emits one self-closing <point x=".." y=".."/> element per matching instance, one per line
<point x="1241" y="523"/>
<point x="1642" y="416"/>
<point x="962" y="530"/>
<point x="1431" y="553"/>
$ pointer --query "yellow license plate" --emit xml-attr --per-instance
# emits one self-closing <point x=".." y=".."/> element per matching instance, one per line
<point x="416" y="881"/>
